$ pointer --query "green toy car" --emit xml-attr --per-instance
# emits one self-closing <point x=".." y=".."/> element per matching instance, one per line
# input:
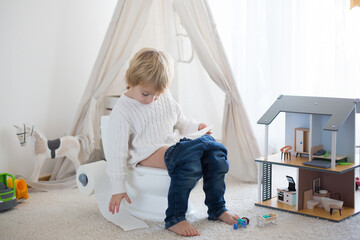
<point x="7" y="194"/>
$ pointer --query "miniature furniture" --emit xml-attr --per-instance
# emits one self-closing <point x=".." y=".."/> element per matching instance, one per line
<point x="262" y="220"/>
<point x="332" y="207"/>
<point x="285" y="151"/>
<point x="286" y="197"/>
<point x="331" y="126"/>
<point x="301" y="141"/>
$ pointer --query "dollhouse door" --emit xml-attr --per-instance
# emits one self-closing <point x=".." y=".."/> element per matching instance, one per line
<point x="299" y="141"/>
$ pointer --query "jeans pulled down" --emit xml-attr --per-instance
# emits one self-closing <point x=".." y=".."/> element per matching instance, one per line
<point x="187" y="161"/>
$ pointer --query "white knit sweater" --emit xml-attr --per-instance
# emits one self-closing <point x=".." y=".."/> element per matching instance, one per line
<point x="137" y="130"/>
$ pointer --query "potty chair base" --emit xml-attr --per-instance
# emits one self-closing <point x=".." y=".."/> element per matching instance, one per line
<point x="149" y="207"/>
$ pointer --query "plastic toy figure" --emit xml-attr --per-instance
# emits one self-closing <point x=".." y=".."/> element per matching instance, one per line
<point x="7" y="194"/>
<point x="242" y="222"/>
<point x="21" y="189"/>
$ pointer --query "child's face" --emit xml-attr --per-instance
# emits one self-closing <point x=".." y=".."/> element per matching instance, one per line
<point x="144" y="94"/>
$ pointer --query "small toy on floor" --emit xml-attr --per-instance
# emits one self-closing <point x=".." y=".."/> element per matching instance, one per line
<point x="21" y="189"/>
<point x="242" y="222"/>
<point x="266" y="219"/>
<point x="7" y="194"/>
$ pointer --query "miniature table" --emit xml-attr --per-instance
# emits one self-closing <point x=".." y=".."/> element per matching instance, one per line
<point x="341" y="180"/>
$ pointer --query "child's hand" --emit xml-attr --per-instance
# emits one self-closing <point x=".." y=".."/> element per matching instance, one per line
<point x="116" y="200"/>
<point x="202" y="126"/>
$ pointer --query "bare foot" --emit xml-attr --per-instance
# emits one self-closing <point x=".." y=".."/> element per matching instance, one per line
<point x="184" y="228"/>
<point x="229" y="218"/>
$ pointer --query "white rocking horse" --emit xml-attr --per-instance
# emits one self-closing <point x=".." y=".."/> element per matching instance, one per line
<point x="68" y="146"/>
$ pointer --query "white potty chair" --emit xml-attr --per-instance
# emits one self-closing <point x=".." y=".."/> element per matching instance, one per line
<point x="147" y="187"/>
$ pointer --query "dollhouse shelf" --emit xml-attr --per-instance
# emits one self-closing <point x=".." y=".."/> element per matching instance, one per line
<point x="298" y="163"/>
<point x="340" y="179"/>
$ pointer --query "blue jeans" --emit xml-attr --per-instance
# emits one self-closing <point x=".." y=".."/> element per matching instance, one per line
<point x="187" y="161"/>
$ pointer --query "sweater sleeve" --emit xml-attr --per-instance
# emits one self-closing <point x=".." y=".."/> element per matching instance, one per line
<point x="118" y="136"/>
<point x="184" y="124"/>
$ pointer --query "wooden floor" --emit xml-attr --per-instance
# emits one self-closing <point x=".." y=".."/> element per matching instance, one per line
<point x="316" y="212"/>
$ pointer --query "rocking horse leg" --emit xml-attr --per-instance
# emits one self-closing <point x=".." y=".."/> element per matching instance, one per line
<point x="73" y="156"/>
<point x="39" y="161"/>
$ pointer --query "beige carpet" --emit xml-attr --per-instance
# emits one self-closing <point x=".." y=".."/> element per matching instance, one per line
<point x="67" y="214"/>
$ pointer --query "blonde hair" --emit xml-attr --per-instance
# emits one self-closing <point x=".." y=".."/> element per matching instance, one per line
<point x="150" y="67"/>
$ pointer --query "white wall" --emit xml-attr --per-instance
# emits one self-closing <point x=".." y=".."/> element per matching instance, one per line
<point x="47" y="50"/>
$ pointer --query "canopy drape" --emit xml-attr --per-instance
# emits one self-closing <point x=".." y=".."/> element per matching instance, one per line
<point x="124" y="29"/>
<point x="237" y="135"/>
<point x="121" y="41"/>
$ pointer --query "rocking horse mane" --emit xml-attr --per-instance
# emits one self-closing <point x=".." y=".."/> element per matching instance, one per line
<point x="38" y="135"/>
<point x="39" y="142"/>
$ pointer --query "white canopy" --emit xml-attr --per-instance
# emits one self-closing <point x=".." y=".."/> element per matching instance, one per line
<point x="185" y="29"/>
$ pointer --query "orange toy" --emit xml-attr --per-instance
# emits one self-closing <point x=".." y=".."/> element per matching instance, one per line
<point x="21" y="189"/>
<point x="286" y="152"/>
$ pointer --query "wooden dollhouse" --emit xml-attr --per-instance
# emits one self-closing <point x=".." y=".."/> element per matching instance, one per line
<point x="321" y="132"/>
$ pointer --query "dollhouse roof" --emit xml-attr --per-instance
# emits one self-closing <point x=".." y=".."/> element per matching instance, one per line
<point x="338" y="109"/>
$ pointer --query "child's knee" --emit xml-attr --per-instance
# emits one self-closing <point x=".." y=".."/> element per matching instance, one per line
<point x="218" y="147"/>
<point x="218" y="161"/>
<point x="223" y="165"/>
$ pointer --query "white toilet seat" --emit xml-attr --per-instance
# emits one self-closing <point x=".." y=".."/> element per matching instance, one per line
<point x="150" y="170"/>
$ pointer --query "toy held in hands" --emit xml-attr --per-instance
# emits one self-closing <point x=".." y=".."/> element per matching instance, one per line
<point x="242" y="222"/>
